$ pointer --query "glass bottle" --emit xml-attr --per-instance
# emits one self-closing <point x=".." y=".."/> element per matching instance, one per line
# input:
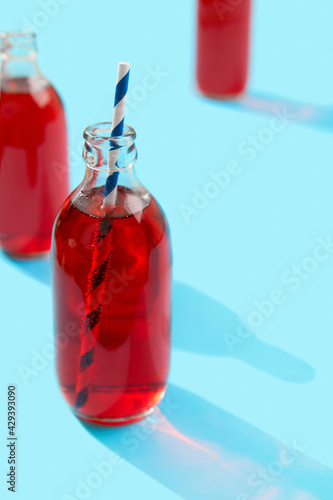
<point x="33" y="150"/>
<point x="223" y="28"/>
<point x="111" y="274"/>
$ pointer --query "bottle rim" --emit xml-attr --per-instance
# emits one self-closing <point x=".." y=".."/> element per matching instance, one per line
<point x="99" y="135"/>
<point x="18" y="34"/>
<point x="18" y="44"/>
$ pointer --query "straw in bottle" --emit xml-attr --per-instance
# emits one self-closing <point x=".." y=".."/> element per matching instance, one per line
<point x="100" y="259"/>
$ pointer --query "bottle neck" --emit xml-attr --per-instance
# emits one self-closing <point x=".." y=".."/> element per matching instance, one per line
<point x="19" y="59"/>
<point x="105" y="156"/>
<point x="97" y="177"/>
<point x="19" y="68"/>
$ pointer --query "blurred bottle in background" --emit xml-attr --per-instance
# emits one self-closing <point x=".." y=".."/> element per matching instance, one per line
<point x="33" y="150"/>
<point x="223" y="28"/>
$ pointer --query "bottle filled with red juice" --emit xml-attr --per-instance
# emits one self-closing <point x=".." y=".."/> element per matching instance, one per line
<point x="223" y="28"/>
<point x="111" y="276"/>
<point x="33" y="150"/>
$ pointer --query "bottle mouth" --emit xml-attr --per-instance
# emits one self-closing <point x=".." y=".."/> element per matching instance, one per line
<point x="99" y="135"/>
<point x="18" y="44"/>
<point x="100" y="148"/>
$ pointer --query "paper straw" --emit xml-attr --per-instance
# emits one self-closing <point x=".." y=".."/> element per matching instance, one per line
<point x="102" y="253"/>
<point x="118" y="118"/>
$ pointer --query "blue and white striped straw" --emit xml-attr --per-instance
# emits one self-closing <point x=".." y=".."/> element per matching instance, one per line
<point x="117" y="130"/>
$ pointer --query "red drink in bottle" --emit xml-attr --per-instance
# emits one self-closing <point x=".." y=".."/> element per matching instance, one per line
<point x="112" y="272"/>
<point x="33" y="151"/>
<point x="222" y="46"/>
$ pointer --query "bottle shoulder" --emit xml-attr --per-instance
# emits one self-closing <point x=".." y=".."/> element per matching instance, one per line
<point x="37" y="96"/>
<point x="23" y="84"/>
<point x="138" y="204"/>
<point x="144" y="226"/>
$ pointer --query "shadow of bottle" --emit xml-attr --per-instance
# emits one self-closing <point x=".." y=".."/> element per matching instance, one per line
<point x="200" y="451"/>
<point x="203" y="325"/>
<point x="315" y="116"/>
<point x="38" y="269"/>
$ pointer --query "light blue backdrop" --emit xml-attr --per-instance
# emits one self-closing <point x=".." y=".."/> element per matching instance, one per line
<point x="240" y="402"/>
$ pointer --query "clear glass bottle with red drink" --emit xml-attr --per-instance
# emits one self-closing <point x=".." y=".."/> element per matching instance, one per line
<point x="111" y="277"/>
<point x="33" y="150"/>
<point x="223" y="28"/>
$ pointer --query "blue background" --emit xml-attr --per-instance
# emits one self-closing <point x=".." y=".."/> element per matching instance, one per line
<point x="229" y="410"/>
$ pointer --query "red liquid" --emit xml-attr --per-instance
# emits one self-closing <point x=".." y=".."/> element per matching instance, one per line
<point x="33" y="167"/>
<point x="132" y="335"/>
<point x="222" y="46"/>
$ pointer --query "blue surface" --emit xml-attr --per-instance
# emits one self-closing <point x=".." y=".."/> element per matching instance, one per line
<point x="240" y="397"/>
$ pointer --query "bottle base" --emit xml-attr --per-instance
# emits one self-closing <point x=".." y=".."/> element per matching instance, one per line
<point x="224" y="97"/>
<point x="115" y="421"/>
<point x="27" y="256"/>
